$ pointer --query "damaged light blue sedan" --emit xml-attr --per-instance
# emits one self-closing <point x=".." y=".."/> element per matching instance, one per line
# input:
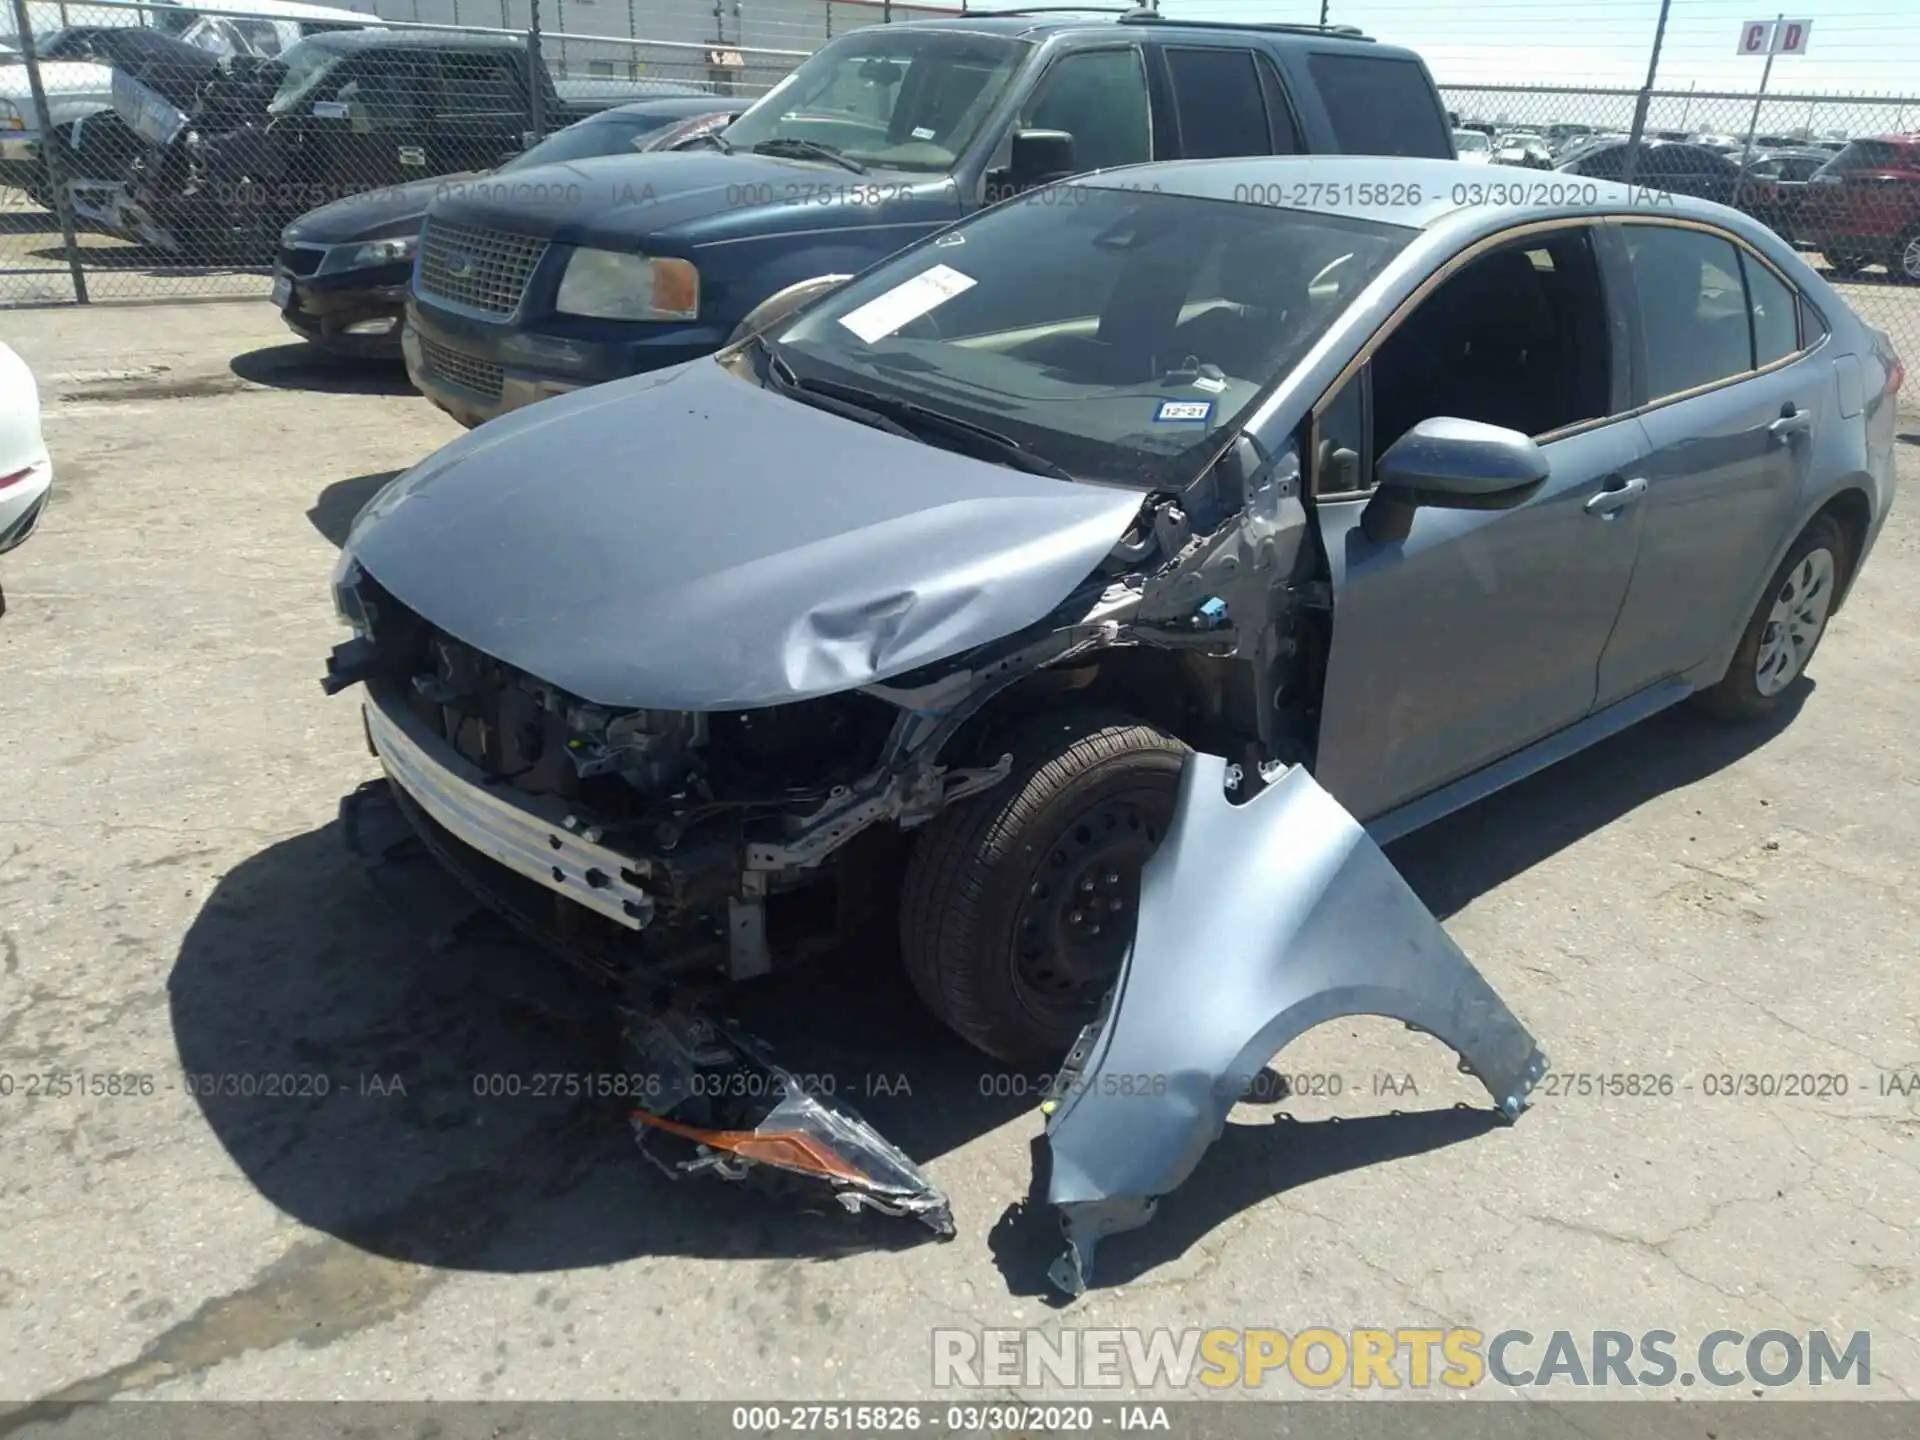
<point x="1093" y="587"/>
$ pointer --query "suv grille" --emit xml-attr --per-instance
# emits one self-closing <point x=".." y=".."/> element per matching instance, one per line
<point x="485" y="270"/>
<point x="469" y="373"/>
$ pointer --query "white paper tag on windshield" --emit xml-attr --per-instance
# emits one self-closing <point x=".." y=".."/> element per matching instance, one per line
<point x="906" y="302"/>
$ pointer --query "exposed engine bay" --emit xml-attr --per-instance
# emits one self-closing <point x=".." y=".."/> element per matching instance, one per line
<point x="725" y="811"/>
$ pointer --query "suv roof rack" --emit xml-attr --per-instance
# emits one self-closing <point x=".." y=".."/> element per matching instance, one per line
<point x="1146" y="15"/>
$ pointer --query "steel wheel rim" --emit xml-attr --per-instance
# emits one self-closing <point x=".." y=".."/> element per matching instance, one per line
<point x="1794" y="624"/>
<point x="1910" y="259"/>
<point x="1076" y="919"/>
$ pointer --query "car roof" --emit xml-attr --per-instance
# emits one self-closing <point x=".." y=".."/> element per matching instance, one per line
<point x="1417" y="194"/>
<point x="383" y="39"/>
<point x="277" y="10"/>
<point x="1040" y="24"/>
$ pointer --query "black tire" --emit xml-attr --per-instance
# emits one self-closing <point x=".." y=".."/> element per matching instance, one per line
<point x="1844" y="263"/>
<point x="1904" y="260"/>
<point x="1090" y="797"/>
<point x="1738" y="696"/>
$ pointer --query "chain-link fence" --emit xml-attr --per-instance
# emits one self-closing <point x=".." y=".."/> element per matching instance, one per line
<point x="1838" y="176"/>
<point x="156" y="148"/>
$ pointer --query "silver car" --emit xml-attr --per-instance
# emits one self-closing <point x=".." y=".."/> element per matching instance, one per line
<point x="1382" y="483"/>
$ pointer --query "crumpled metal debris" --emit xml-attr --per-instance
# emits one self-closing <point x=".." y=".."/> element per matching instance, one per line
<point x="717" y="1097"/>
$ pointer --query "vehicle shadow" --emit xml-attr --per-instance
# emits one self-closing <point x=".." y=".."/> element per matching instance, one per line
<point x="417" y="1094"/>
<point x="300" y="366"/>
<point x="412" y="1083"/>
<point x="1454" y="861"/>
<point x="1247" y="1165"/>
<point x="335" y="507"/>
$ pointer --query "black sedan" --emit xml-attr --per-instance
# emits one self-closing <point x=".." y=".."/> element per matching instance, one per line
<point x="340" y="280"/>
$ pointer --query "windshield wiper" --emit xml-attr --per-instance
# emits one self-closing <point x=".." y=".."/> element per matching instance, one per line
<point x="808" y="150"/>
<point x="718" y="141"/>
<point x="790" y="384"/>
<point x="989" y="444"/>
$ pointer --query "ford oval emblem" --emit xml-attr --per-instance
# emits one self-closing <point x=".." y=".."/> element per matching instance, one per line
<point x="459" y="264"/>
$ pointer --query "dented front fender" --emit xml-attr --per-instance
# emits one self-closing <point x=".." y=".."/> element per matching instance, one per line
<point x="1258" y="921"/>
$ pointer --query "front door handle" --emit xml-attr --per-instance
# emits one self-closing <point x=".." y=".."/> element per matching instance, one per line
<point x="1618" y="494"/>
<point x="1791" y="422"/>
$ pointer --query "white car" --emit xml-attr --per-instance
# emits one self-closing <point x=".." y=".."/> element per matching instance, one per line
<point x="26" y="471"/>
<point x="1474" y="146"/>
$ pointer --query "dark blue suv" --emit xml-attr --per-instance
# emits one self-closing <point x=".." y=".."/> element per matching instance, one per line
<point x="586" y="272"/>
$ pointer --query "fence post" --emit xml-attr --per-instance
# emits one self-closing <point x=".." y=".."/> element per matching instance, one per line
<point x="50" y="154"/>
<point x="1646" y="97"/>
<point x="536" y="77"/>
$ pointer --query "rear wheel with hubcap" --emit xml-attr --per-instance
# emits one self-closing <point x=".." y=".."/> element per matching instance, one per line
<point x="1785" y="628"/>
<point x="1020" y="903"/>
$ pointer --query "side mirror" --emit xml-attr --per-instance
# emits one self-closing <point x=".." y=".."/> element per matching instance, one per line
<point x="1039" y="156"/>
<point x="1450" y="464"/>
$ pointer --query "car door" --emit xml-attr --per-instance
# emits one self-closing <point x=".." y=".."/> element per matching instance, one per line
<point x="1735" y="397"/>
<point x="361" y="123"/>
<point x="1481" y="631"/>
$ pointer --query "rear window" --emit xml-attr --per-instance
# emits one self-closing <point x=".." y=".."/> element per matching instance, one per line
<point x="1381" y="106"/>
<point x="1872" y="155"/>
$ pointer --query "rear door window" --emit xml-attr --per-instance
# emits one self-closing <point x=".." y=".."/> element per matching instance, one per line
<point x="480" y="84"/>
<point x="1218" y="98"/>
<point x="1776" y="323"/>
<point x="1693" y="307"/>
<point x="1381" y="106"/>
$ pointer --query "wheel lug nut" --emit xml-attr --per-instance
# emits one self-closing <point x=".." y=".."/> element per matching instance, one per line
<point x="1111" y="878"/>
<point x="1075" y="918"/>
<point x="1086" y="885"/>
<point x="1113" y="904"/>
<point x="1094" y="929"/>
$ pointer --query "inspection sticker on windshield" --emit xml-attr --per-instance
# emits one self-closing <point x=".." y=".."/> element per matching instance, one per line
<point x="906" y="302"/>
<point x="1183" y="412"/>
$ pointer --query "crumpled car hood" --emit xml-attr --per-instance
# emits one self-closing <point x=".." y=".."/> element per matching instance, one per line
<point x="686" y="540"/>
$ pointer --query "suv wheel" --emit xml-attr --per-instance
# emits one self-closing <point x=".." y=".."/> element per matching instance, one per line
<point x="1905" y="261"/>
<point x="1019" y="904"/>
<point x="1785" y="628"/>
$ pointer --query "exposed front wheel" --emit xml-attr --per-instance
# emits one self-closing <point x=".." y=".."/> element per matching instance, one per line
<point x="1019" y="904"/>
<point x="1785" y="628"/>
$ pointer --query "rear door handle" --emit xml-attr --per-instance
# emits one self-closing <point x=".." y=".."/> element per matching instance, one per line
<point x="1618" y="494"/>
<point x="1791" y="423"/>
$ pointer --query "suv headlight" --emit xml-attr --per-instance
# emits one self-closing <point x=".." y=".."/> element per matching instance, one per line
<point x="610" y="285"/>
<point x="373" y="252"/>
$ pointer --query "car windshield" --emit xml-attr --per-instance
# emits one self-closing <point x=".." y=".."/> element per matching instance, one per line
<point x="307" y="65"/>
<point x="602" y="135"/>
<point x="897" y="100"/>
<point x="1113" y="337"/>
<point x="1466" y="140"/>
